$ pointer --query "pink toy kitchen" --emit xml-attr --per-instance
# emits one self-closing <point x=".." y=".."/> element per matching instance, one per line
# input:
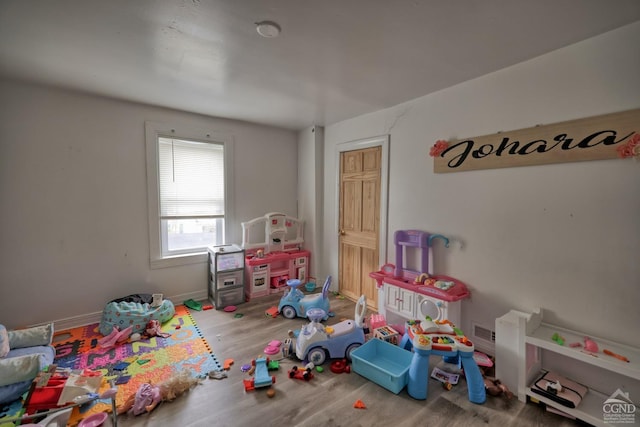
<point x="274" y="254"/>
<point x="416" y="294"/>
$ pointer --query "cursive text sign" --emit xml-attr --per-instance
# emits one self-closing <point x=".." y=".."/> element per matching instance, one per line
<point x="592" y="138"/>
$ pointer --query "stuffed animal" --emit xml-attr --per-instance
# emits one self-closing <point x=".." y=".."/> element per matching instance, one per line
<point x="494" y="387"/>
<point x="153" y="329"/>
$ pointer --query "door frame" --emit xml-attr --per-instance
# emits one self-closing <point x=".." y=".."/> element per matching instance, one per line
<point x="375" y="141"/>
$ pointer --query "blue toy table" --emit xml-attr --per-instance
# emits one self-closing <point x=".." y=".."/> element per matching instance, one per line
<point x="454" y="347"/>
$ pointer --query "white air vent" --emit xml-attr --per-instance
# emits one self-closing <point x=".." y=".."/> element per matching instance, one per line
<point x="484" y="338"/>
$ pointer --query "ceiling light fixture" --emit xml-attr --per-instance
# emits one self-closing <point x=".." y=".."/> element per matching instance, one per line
<point x="268" y="29"/>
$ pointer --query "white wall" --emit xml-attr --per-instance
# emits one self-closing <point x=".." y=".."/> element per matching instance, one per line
<point x="564" y="237"/>
<point x="73" y="191"/>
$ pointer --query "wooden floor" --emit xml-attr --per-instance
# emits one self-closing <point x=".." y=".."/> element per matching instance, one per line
<point x="327" y="400"/>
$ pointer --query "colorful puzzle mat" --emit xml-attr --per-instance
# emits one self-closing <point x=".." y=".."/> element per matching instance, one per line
<point x="131" y="364"/>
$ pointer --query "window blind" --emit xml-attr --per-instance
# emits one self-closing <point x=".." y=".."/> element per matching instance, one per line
<point x="191" y="179"/>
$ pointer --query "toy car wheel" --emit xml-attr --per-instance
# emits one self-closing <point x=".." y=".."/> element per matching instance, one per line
<point x="317" y="356"/>
<point x="289" y="312"/>
<point x="347" y="354"/>
<point x="292" y="372"/>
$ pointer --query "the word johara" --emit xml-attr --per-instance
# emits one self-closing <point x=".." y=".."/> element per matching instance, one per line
<point x="463" y="149"/>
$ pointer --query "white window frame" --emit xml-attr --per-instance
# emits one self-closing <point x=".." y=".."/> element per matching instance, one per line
<point x="154" y="130"/>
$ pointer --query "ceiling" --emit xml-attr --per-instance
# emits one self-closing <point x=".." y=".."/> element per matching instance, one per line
<point x="334" y="59"/>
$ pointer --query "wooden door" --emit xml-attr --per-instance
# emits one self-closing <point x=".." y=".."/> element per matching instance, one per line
<point x="359" y="223"/>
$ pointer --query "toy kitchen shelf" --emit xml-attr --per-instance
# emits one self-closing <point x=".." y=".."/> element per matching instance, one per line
<point x="412" y="294"/>
<point x="273" y="254"/>
<point x="269" y="274"/>
<point x="529" y="336"/>
<point x="226" y="275"/>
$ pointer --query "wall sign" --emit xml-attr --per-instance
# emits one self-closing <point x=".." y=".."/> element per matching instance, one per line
<point x="593" y="138"/>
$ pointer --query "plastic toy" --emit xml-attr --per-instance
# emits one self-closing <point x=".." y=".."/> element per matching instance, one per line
<point x="272" y="312"/>
<point x="272" y="348"/>
<point x="94" y="420"/>
<point x="315" y="341"/>
<point x="301" y="374"/>
<point x="261" y="377"/>
<point x="441" y="339"/>
<point x="340" y="366"/>
<point x="558" y="339"/>
<point x="590" y="345"/>
<point x="294" y="303"/>
<point x="616" y="355"/>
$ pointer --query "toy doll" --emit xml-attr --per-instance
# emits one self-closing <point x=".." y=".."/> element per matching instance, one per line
<point x="148" y="396"/>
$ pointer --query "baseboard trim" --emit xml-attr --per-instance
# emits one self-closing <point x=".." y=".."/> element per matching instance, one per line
<point x="95" y="317"/>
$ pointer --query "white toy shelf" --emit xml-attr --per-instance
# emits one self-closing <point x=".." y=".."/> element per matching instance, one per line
<point x="525" y="349"/>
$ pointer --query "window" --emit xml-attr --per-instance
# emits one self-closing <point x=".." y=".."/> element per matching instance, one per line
<point x="189" y="180"/>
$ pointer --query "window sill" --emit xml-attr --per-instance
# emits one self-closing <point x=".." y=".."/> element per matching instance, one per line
<point x="179" y="260"/>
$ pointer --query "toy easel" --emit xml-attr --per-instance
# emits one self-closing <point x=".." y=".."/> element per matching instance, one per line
<point x="416" y="239"/>
<point x="281" y="233"/>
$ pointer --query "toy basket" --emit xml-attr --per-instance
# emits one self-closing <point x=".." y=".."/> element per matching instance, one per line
<point x="385" y="364"/>
<point x="310" y="286"/>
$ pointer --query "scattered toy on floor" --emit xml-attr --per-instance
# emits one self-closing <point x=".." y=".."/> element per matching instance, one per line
<point x="148" y="395"/>
<point x="153" y="329"/>
<point x="192" y="304"/>
<point x="227" y="364"/>
<point x="494" y="387"/>
<point x="301" y="374"/>
<point x="273" y="347"/>
<point x="359" y="404"/>
<point x="217" y="375"/>
<point x="116" y="336"/>
<point x="271" y="312"/>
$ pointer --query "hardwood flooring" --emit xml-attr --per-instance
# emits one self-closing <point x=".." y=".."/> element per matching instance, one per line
<point x="326" y="400"/>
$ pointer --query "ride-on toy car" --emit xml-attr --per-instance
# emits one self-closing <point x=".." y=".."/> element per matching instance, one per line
<point x="316" y="342"/>
<point x="294" y="303"/>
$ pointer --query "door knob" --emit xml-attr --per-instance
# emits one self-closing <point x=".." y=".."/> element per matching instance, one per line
<point x="341" y="232"/>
